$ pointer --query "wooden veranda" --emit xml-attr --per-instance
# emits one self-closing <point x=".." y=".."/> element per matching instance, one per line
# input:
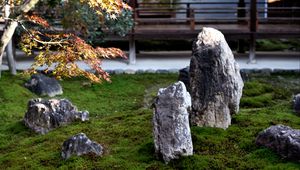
<point x="236" y="19"/>
<point x="240" y="19"/>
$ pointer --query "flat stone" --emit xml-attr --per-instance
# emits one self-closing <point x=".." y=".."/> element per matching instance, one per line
<point x="283" y="140"/>
<point x="43" y="85"/>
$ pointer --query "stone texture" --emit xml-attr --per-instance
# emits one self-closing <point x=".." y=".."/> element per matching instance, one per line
<point x="282" y="139"/>
<point x="45" y="115"/>
<point x="172" y="136"/>
<point x="43" y="85"/>
<point x="215" y="81"/>
<point x="184" y="76"/>
<point x="296" y="104"/>
<point x="79" y="145"/>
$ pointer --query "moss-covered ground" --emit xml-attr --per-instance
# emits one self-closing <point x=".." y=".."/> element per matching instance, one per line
<point x="120" y="119"/>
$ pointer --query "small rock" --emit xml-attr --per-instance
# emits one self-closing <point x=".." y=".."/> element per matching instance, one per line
<point x="129" y="71"/>
<point x="43" y="85"/>
<point x="150" y="71"/>
<point x="140" y="71"/>
<point x="45" y="115"/>
<point x="282" y="139"/>
<point x="79" y="145"/>
<point x="161" y="71"/>
<point x="173" y="70"/>
<point x="119" y="71"/>
<point x="171" y="129"/>
<point x="296" y="103"/>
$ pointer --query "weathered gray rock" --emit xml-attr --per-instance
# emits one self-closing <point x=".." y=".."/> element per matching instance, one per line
<point x="184" y="76"/>
<point x="43" y="85"/>
<point x="282" y="139"/>
<point x="45" y="115"/>
<point x="215" y="81"/>
<point x="172" y="136"/>
<point x="296" y="103"/>
<point x="79" y="145"/>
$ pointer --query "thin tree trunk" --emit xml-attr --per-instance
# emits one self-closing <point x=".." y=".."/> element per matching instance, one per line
<point x="9" y="30"/>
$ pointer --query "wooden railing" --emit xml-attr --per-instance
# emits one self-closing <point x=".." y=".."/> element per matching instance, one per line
<point x="225" y="12"/>
<point x="248" y="15"/>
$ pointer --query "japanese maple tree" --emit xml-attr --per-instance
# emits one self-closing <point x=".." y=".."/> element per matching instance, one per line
<point x="59" y="50"/>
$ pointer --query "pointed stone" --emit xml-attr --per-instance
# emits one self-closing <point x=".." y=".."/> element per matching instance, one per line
<point x="215" y="81"/>
<point x="79" y="145"/>
<point x="171" y="129"/>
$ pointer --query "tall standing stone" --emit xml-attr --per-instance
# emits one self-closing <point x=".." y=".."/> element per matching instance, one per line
<point x="215" y="81"/>
<point x="172" y="135"/>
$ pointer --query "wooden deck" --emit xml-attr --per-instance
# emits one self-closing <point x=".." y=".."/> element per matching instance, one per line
<point x="231" y="31"/>
<point x="236" y="19"/>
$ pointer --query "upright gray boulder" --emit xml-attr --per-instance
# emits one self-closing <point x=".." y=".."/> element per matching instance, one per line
<point x="43" y="85"/>
<point x="215" y="81"/>
<point x="296" y="104"/>
<point x="172" y="136"/>
<point x="79" y="145"/>
<point x="45" y="115"/>
<point x="282" y="139"/>
<point x="184" y="76"/>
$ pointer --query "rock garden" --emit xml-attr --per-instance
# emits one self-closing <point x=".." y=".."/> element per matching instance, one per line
<point x="211" y="115"/>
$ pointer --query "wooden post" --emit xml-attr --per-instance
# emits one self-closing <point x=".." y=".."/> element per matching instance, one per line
<point x="192" y="19"/>
<point x="9" y="47"/>
<point x="188" y="14"/>
<point x="132" y="50"/>
<point x="241" y="12"/>
<point x="253" y="29"/>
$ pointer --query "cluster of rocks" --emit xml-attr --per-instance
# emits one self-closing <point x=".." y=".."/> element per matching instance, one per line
<point x="208" y="94"/>
<point x="44" y="115"/>
<point x="215" y="84"/>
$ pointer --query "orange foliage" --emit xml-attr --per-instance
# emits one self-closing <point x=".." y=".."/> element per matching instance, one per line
<point x="61" y="52"/>
<point x="37" y="20"/>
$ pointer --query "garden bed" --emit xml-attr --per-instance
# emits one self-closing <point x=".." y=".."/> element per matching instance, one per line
<point x="120" y="119"/>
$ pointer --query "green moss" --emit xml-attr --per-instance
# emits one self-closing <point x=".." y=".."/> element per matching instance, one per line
<point x="120" y="119"/>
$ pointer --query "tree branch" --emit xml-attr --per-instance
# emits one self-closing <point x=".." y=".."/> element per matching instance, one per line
<point x="44" y="42"/>
<point x="11" y="26"/>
